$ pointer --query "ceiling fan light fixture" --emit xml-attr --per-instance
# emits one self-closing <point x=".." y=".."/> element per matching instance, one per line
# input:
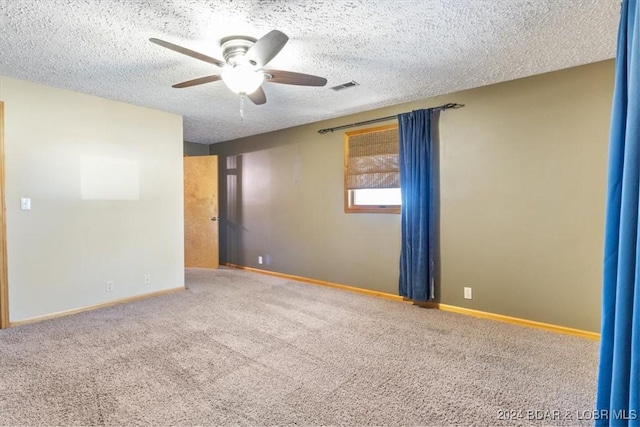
<point x="243" y="68"/>
<point x="243" y="78"/>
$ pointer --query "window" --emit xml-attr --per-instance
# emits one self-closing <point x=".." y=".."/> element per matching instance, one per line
<point x="371" y="177"/>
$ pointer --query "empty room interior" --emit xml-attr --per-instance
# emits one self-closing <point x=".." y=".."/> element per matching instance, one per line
<point x="195" y="255"/>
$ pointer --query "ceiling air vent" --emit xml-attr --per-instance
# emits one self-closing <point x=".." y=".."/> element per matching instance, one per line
<point x="344" y="86"/>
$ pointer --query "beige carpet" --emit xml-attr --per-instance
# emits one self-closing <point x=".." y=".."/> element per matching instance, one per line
<point x="239" y="348"/>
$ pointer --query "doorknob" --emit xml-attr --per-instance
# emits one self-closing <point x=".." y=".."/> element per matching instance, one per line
<point x="215" y="218"/>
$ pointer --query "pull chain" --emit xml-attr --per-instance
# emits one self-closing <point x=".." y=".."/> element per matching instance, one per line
<point x="242" y="108"/>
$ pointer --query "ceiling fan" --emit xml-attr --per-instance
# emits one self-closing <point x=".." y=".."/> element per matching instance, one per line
<point x="242" y="68"/>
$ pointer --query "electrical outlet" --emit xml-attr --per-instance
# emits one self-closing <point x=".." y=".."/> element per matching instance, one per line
<point x="468" y="294"/>
<point x="259" y="260"/>
<point x="108" y="287"/>
<point x="147" y="279"/>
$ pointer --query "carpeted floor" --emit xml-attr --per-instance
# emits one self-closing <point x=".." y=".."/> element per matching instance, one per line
<point x="238" y="348"/>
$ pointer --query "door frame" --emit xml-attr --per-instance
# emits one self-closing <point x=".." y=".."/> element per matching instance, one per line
<point x="4" y="281"/>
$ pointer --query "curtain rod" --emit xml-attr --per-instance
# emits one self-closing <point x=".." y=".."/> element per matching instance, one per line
<point x="384" y="119"/>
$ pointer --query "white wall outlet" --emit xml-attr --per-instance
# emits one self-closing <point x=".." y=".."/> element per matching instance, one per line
<point x="25" y="204"/>
<point x="108" y="287"/>
<point x="468" y="294"/>
<point x="147" y="279"/>
<point x="259" y="260"/>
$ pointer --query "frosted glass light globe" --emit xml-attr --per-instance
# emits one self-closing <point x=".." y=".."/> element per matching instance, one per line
<point x="242" y="79"/>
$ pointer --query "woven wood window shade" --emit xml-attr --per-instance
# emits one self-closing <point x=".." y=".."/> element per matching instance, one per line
<point x="372" y="159"/>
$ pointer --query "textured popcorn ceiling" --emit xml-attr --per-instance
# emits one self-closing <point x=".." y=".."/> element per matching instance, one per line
<point x="398" y="50"/>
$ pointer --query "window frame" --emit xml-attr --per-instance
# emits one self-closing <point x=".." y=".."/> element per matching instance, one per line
<point x="349" y="195"/>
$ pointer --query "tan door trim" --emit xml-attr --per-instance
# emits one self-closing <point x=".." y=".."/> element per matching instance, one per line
<point x="4" y="282"/>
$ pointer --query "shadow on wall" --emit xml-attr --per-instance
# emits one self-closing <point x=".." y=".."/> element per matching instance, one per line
<point x="231" y="232"/>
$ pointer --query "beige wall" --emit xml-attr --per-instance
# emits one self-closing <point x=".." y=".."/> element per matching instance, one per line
<point x="523" y="194"/>
<point x="523" y="170"/>
<point x="105" y="182"/>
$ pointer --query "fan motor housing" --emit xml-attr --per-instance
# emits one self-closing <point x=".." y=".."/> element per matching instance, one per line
<point x="234" y="48"/>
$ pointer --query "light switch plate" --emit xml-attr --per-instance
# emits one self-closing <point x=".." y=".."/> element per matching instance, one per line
<point x="25" y="204"/>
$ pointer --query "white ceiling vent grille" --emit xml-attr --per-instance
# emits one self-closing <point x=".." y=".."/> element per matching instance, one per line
<point x="344" y="86"/>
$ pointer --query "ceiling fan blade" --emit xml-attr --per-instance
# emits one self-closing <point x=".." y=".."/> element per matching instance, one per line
<point x="266" y="48"/>
<point x="188" y="52"/>
<point x="258" y="97"/>
<point x="291" y="78"/>
<point x="195" y="82"/>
